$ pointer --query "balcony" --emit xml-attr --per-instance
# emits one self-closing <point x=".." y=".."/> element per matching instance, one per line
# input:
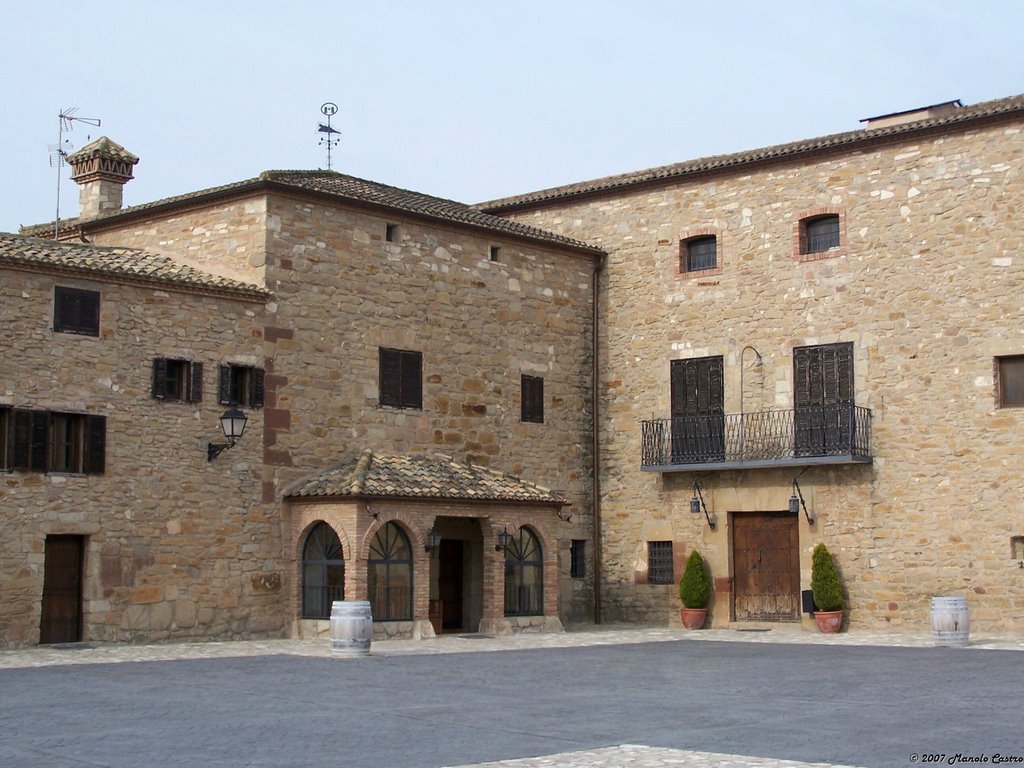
<point x="829" y="434"/>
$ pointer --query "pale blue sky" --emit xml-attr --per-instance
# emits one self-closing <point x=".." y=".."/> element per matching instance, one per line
<point x="469" y="100"/>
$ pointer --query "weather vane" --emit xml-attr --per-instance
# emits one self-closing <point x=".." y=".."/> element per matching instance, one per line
<point x="59" y="154"/>
<point x="329" y="139"/>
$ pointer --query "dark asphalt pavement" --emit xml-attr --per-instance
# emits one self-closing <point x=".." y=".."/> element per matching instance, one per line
<point x="864" y="706"/>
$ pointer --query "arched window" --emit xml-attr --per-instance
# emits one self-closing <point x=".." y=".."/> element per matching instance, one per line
<point x="524" y="576"/>
<point x="389" y="575"/>
<point x="323" y="572"/>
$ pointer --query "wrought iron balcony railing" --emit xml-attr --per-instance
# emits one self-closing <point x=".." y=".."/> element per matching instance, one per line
<point x="828" y="434"/>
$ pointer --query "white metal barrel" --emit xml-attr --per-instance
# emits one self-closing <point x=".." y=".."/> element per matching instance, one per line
<point x="351" y="627"/>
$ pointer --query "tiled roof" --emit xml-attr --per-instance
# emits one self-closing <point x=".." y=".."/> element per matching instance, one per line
<point x="780" y="152"/>
<point x="124" y="263"/>
<point x="365" y="474"/>
<point x="102" y="146"/>
<point x="349" y="189"/>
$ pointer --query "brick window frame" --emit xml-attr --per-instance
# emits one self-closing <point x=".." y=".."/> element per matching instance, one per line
<point x="699" y="234"/>
<point x="800" y="232"/>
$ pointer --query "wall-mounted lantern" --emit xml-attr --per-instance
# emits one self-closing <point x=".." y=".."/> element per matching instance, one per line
<point x="697" y="504"/>
<point x="504" y="540"/>
<point x="433" y="541"/>
<point x="232" y="423"/>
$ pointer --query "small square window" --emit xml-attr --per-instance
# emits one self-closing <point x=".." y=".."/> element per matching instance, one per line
<point x="495" y="253"/>
<point x="177" y="380"/>
<point x="532" y="405"/>
<point x="578" y="559"/>
<point x="401" y="378"/>
<point x="819" y="233"/>
<point x="391" y="233"/>
<point x="1010" y="372"/>
<point x="659" y="562"/>
<point x="698" y="254"/>
<point x="241" y="385"/>
<point x="76" y="311"/>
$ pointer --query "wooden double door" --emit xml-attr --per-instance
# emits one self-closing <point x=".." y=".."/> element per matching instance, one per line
<point x="766" y="566"/>
<point x="61" y="618"/>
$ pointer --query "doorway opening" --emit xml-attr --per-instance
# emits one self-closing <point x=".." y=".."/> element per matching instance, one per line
<point x="61" y="617"/>
<point x="766" y="566"/>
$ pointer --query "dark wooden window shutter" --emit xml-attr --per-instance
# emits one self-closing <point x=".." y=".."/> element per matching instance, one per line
<point x="21" y="440"/>
<point x="94" y="458"/>
<point x="195" y="384"/>
<point x="224" y="385"/>
<point x="532" y="409"/>
<point x="412" y="380"/>
<point x="160" y="377"/>
<point x="697" y="387"/>
<point x="258" y="385"/>
<point x="391" y="377"/>
<point x="76" y="311"/>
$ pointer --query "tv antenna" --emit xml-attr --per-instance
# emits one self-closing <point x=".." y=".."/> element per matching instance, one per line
<point x="59" y="151"/>
<point x="330" y="138"/>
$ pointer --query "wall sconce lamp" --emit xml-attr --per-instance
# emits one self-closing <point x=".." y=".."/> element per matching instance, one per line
<point x="697" y="504"/>
<point x="232" y="423"/>
<point x="797" y="500"/>
<point x="564" y="515"/>
<point x="504" y="540"/>
<point x="433" y="541"/>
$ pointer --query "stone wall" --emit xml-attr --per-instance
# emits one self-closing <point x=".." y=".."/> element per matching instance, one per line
<point x="927" y="285"/>
<point x="175" y="547"/>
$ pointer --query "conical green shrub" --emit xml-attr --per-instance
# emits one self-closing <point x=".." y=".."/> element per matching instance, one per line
<point x="694" y="588"/>
<point x="825" y="584"/>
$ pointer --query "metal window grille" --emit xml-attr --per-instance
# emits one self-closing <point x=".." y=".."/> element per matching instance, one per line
<point x="659" y="562"/>
<point x="821" y="234"/>
<point x="701" y="253"/>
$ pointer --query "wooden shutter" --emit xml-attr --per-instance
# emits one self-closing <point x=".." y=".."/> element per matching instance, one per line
<point x="532" y="399"/>
<point x="697" y="387"/>
<point x="224" y="385"/>
<point x="94" y="458"/>
<point x="390" y="377"/>
<point x="823" y="375"/>
<point x="412" y="380"/>
<point x="30" y="441"/>
<point x="258" y="385"/>
<point x="160" y="377"/>
<point x="195" y="383"/>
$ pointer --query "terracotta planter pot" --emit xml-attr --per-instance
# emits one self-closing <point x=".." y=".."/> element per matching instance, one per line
<point x="693" y="618"/>
<point x="829" y="621"/>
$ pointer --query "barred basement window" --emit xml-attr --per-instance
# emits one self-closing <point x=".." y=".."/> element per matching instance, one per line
<point x="76" y="311"/>
<point x="1010" y="371"/>
<point x="177" y="380"/>
<point x="659" y="562"/>
<point x="578" y="559"/>
<point x="698" y="254"/>
<point x="532" y="405"/>
<point x="819" y="234"/>
<point x="240" y="385"/>
<point x="401" y="378"/>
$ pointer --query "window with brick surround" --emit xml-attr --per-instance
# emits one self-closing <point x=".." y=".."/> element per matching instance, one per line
<point x="1010" y="372"/>
<point x="401" y="378"/>
<point x="76" y="311"/>
<point x="524" y="575"/>
<point x="389" y="574"/>
<point x="698" y="254"/>
<point x="578" y="559"/>
<point x="323" y="572"/>
<point x="532" y="406"/>
<point x="240" y="385"/>
<point x="819" y="234"/>
<point x="175" y="379"/>
<point x="659" y="563"/>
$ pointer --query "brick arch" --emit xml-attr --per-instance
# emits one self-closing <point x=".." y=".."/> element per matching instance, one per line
<point x="416" y="540"/>
<point x="339" y="530"/>
<point x="516" y="523"/>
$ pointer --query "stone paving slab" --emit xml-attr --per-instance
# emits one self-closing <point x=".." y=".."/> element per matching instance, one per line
<point x="90" y="653"/>
<point x="638" y="756"/>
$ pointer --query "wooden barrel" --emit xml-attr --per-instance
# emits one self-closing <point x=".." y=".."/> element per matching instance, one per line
<point x="950" y="624"/>
<point x="351" y="627"/>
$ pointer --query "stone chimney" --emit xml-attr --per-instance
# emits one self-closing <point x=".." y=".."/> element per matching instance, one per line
<point x="101" y="169"/>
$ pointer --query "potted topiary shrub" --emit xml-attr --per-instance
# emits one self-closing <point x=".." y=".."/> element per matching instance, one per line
<point x="827" y="590"/>
<point x="694" y="590"/>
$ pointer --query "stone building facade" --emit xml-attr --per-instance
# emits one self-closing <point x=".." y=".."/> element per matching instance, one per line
<point x="394" y="323"/>
<point x="838" y="319"/>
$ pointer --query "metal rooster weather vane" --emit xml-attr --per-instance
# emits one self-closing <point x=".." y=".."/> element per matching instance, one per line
<point x="58" y="153"/>
<point x="329" y="139"/>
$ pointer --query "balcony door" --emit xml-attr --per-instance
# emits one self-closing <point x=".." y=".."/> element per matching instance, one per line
<point x="698" y="411"/>
<point x="823" y="399"/>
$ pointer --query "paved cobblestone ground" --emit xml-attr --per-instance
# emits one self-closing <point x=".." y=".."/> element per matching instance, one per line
<point x="624" y="756"/>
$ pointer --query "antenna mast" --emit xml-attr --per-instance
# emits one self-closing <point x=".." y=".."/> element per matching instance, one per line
<point x="59" y="155"/>
<point x="329" y="140"/>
